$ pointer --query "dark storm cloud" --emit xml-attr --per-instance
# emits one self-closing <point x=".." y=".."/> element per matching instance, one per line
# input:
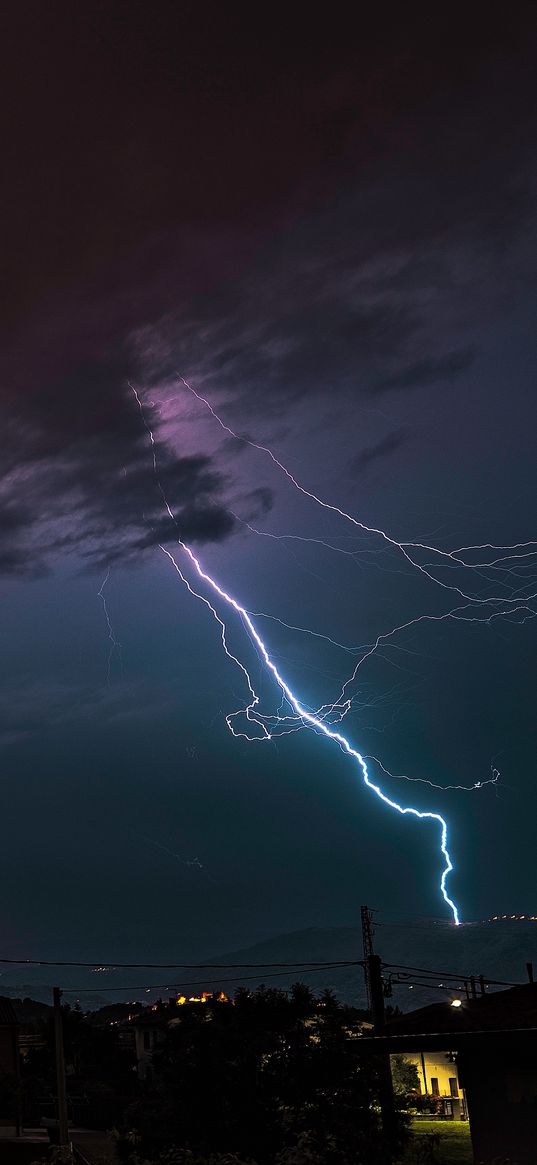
<point x="279" y="222"/>
<point x="262" y="500"/>
<point x="383" y="448"/>
<point x="79" y="476"/>
<point x="291" y="208"/>
<point x="426" y="373"/>
<point x="195" y="523"/>
<point x="353" y="299"/>
<point x="366" y="296"/>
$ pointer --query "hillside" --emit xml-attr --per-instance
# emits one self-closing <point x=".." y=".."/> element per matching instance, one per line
<point x="497" y="950"/>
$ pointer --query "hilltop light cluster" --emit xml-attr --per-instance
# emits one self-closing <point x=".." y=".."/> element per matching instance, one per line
<point x="513" y="918"/>
<point x="219" y="996"/>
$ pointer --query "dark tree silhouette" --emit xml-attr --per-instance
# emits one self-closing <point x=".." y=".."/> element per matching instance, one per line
<point x="273" y="1078"/>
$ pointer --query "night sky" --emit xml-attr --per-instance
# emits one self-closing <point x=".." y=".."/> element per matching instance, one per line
<point x="326" y="225"/>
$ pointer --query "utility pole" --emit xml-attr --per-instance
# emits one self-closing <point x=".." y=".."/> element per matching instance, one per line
<point x="63" y="1125"/>
<point x="375" y="1002"/>
<point x="367" y="943"/>
<point x="374" y="966"/>
<point x="386" y="1097"/>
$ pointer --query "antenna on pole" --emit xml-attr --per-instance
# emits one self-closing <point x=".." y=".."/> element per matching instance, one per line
<point x="367" y="943"/>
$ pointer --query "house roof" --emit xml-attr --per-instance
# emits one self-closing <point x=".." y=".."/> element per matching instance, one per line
<point x="515" y="1008"/>
<point x="150" y="1019"/>
<point x="8" y="1017"/>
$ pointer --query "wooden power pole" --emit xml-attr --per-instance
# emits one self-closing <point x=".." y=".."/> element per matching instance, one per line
<point x="386" y="1097"/>
<point x="367" y="945"/>
<point x="63" y="1123"/>
<point x="377" y="994"/>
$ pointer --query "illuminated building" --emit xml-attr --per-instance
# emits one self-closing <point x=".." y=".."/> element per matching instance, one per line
<point x="439" y="1082"/>
<point x="491" y="1039"/>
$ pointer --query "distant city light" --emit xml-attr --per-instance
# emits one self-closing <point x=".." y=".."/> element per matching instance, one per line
<point x="456" y="1002"/>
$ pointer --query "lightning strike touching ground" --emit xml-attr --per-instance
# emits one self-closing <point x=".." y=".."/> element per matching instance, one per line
<point x="319" y="725"/>
<point x="313" y="721"/>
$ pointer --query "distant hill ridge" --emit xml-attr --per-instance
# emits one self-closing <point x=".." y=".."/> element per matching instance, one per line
<point x="497" y="949"/>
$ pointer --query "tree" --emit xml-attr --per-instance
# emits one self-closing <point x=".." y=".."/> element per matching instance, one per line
<point x="406" y="1081"/>
<point x="270" y="1078"/>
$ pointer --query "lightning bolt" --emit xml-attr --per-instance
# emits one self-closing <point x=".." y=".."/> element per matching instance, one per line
<point x="515" y="559"/>
<point x="114" y="643"/>
<point x="303" y="715"/>
<point x="308" y="718"/>
<point x="492" y="780"/>
<point x="447" y="558"/>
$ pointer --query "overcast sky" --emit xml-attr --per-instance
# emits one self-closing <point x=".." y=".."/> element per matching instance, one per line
<point x="326" y="226"/>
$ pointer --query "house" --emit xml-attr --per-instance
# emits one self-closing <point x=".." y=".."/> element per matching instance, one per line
<point x="492" y="1042"/>
<point x="149" y="1030"/>
<point x="438" y="1082"/>
<point x="9" y="1070"/>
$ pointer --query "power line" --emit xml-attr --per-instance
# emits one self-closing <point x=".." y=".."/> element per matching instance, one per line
<point x="426" y="971"/>
<point x="306" y="970"/>
<point x="425" y="981"/>
<point x="446" y="974"/>
<point x="428" y="986"/>
<point x="110" y="965"/>
<point x="272" y="968"/>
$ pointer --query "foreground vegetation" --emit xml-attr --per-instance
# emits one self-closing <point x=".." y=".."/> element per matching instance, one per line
<point x="272" y="1078"/>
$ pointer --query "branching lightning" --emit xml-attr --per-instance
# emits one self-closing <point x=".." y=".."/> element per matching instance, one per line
<point x="492" y="780"/>
<point x="115" y="645"/>
<point x="515" y="606"/>
<point x="408" y="549"/>
<point x="505" y="563"/>
<point x="320" y="721"/>
<point x="308" y="718"/>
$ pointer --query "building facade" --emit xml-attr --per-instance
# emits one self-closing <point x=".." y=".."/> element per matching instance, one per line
<point x="492" y="1041"/>
<point x="438" y="1080"/>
